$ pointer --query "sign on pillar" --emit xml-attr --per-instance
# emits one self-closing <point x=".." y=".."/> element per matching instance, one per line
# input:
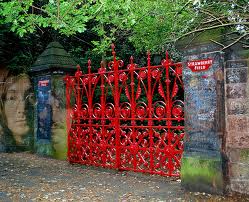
<point x="199" y="65"/>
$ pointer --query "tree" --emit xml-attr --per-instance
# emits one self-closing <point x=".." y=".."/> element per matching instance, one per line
<point x="146" y="23"/>
<point x="230" y="15"/>
<point x="19" y="54"/>
<point x="68" y="17"/>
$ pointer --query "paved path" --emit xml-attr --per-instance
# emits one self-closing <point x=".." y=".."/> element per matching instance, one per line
<point x="27" y="177"/>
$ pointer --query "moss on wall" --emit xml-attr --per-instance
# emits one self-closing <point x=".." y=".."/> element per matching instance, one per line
<point x="59" y="141"/>
<point x="202" y="174"/>
<point x="244" y="155"/>
<point x="44" y="149"/>
<point x="59" y="130"/>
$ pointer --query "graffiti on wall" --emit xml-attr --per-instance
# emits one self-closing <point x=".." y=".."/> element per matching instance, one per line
<point x="203" y="103"/>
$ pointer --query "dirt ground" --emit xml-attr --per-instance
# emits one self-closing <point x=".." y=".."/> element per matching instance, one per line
<point x="28" y="177"/>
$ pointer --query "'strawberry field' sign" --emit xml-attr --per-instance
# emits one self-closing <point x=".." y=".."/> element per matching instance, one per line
<point x="200" y="65"/>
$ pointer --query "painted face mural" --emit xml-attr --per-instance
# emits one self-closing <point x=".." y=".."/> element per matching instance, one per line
<point x="14" y="107"/>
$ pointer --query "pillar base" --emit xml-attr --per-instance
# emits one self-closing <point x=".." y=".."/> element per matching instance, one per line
<point x="202" y="174"/>
<point x="44" y="148"/>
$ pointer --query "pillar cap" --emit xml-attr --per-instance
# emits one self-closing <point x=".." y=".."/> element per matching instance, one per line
<point x="54" y="58"/>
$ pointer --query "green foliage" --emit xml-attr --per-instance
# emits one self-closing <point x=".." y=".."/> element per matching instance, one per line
<point x="158" y="22"/>
<point x="143" y="24"/>
<point x="26" y="16"/>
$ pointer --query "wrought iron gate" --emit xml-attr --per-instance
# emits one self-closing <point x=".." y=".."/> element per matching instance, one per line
<point x="127" y="118"/>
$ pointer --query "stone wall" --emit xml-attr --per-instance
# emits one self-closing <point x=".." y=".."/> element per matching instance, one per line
<point x="237" y="123"/>
<point x="59" y="128"/>
<point x="202" y="163"/>
<point x="50" y="116"/>
<point x="216" y="155"/>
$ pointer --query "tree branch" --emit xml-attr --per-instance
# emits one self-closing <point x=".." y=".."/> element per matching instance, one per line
<point x="70" y="7"/>
<point x="184" y="6"/>
<point x="214" y="20"/>
<point x="237" y="40"/>
<point x="210" y="14"/>
<point x="59" y="19"/>
<point x="212" y="27"/>
<point x="83" y="41"/>
<point x="33" y="22"/>
<point x="217" y="43"/>
<point x="40" y="9"/>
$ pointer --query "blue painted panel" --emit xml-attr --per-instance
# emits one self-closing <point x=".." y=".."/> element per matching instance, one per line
<point x="44" y="108"/>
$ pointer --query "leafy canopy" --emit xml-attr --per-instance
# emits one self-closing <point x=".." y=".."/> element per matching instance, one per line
<point x="146" y="23"/>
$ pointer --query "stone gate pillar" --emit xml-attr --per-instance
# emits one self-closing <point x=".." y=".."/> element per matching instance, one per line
<point x="237" y="117"/>
<point x="50" y="110"/>
<point x="202" y="163"/>
<point x="216" y="144"/>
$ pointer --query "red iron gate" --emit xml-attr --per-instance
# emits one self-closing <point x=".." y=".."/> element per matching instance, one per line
<point x="128" y="119"/>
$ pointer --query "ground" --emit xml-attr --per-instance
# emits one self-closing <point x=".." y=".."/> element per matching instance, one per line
<point x="28" y="177"/>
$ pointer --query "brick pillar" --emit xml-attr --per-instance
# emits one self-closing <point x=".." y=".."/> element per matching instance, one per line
<point x="237" y="118"/>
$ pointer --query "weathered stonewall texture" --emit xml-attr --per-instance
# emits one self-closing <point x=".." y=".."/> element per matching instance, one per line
<point x="216" y="146"/>
<point x="204" y="122"/>
<point x="237" y="123"/>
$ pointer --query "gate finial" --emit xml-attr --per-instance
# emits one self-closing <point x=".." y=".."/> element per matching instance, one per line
<point x="78" y="67"/>
<point x="89" y="66"/>
<point x="102" y="64"/>
<point x="113" y="52"/>
<point x="148" y="57"/>
<point x="78" y="73"/>
<point x="131" y="59"/>
<point x="168" y="60"/>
